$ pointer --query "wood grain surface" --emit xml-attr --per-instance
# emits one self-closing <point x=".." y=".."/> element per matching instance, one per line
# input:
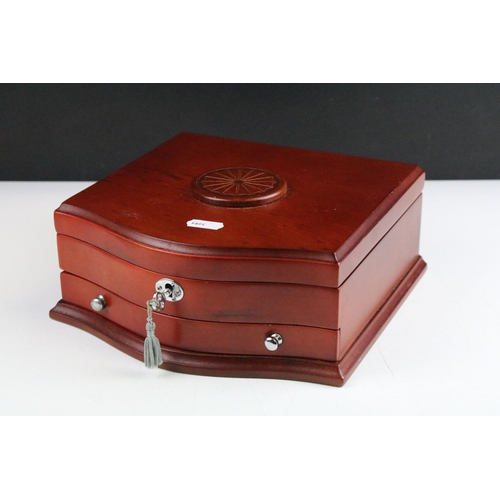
<point x="336" y="208"/>
<point x="203" y="336"/>
<point x="227" y="365"/>
<point x="318" y="247"/>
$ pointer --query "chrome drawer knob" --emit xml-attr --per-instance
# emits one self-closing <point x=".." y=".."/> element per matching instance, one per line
<point x="98" y="303"/>
<point x="273" y="341"/>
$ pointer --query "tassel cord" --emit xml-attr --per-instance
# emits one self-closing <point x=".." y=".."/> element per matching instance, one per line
<point x="152" y="348"/>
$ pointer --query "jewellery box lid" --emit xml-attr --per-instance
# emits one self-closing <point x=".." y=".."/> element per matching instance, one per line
<point x="228" y="210"/>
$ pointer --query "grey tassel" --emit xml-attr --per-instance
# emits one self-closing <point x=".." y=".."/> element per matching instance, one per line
<point x="152" y="348"/>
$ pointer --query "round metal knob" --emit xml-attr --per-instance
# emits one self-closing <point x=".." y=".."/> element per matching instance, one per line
<point x="273" y="341"/>
<point x="98" y="303"/>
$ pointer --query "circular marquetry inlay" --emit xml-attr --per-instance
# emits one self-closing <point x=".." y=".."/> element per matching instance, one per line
<point x="238" y="187"/>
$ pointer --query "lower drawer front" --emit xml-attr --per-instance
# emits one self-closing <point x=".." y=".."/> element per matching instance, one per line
<point x="205" y="336"/>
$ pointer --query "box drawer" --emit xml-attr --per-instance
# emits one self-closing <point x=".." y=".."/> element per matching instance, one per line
<point x="204" y="336"/>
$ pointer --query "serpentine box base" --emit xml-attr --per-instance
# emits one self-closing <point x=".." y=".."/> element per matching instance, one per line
<point x="290" y="262"/>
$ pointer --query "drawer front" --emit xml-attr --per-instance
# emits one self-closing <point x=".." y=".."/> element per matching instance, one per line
<point x="204" y="336"/>
<point x="231" y="302"/>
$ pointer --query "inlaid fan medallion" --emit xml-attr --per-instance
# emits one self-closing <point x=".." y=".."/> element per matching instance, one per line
<point x="238" y="187"/>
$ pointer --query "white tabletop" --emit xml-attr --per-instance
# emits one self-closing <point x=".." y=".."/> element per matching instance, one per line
<point x="439" y="355"/>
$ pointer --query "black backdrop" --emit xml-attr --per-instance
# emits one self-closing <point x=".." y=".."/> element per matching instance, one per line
<point x="84" y="132"/>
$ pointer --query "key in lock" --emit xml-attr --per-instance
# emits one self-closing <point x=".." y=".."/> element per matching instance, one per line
<point x="167" y="290"/>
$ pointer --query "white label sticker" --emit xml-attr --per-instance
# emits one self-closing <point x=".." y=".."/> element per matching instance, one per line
<point x="204" y="224"/>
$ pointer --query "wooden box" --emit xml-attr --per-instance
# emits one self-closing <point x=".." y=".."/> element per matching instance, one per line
<point x="290" y="262"/>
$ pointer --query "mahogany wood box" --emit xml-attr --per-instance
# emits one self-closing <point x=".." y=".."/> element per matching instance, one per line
<point x="289" y="262"/>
